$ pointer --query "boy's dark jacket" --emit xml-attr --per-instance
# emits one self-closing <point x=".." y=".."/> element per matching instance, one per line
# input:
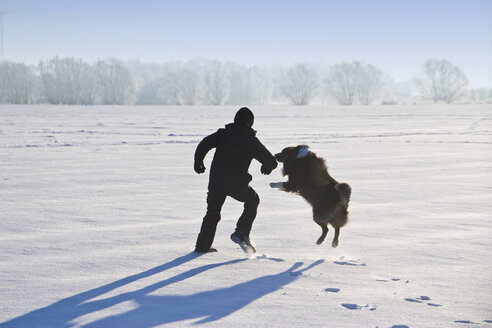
<point x="236" y="145"/>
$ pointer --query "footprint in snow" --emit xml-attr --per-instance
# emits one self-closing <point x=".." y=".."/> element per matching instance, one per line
<point x="353" y="306"/>
<point x="266" y="257"/>
<point x="392" y="279"/>
<point x="413" y="300"/>
<point x="471" y="322"/>
<point x="434" y="304"/>
<point x="422" y="299"/>
<point x="344" y="261"/>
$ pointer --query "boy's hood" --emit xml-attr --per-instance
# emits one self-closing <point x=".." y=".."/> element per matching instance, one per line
<point x="239" y="133"/>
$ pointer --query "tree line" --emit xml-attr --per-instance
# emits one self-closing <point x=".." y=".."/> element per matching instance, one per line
<point x="111" y="81"/>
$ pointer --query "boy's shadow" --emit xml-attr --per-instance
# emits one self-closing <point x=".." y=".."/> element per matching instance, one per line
<point x="153" y="310"/>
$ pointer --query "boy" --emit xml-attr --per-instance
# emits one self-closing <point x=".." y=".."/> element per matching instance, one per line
<point x="236" y="145"/>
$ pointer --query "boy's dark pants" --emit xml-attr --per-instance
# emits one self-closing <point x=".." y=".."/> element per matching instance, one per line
<point x="215" y="200"/>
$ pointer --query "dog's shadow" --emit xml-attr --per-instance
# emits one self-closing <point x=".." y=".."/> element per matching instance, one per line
<point x="152" y="310"/>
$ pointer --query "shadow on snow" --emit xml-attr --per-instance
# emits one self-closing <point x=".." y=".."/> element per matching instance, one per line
<point x="152" y="310"/>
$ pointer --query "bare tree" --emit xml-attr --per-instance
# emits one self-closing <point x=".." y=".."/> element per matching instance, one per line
<point x="481" y="95"/>
<point x="67" y="81"/>
<point x="442" y="80"/>
<point x="86" y="94"/>
<point x="148" y="93"/>
<point x="300" y="84"/>
<point x="16" y="83"/>
<point x="115" y="83"/>
<point x="342" y="83"/>
<point x="259" y="85"/>
<point x="370" y="83"/>
<point x="188" y="81"/>
<point x="148" y="79"/>
<point x="348" y="82"/>
<point x="179" y="87"/>
<point x="168" y="91"/>
<point x="239" y="93"/>
<point x="249" y="85"/>
<point x="216" y="83"/>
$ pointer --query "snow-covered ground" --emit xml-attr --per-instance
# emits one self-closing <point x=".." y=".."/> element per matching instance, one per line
<point x="100" y="209"/>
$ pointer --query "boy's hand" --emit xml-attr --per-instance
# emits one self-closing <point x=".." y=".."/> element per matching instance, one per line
<point x="265" y="170"/>
<point x="199" y="167"/>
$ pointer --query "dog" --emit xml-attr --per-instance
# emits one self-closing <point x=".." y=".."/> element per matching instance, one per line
<point x="308" y="176"/>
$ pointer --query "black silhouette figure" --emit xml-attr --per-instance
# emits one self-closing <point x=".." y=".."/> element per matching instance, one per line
<point x="236" y="146"/>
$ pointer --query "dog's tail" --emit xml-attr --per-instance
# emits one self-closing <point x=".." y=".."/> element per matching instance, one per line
<point x="344" y="191"/>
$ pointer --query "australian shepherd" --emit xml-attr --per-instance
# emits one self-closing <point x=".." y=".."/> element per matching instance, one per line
<point x="308" y="176"/>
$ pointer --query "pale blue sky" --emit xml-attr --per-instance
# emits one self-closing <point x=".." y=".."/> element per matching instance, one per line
<point x="397" y="36"/>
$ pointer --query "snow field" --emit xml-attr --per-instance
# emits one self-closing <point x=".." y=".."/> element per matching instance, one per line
<point x="100" y="209"/>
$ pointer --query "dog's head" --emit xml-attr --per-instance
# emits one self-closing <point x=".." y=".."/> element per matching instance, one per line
<point x="291" y="154"/>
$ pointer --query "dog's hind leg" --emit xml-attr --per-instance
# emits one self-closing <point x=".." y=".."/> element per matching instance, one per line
<point x="334" y="243"/>
<point x="324" y="232"/>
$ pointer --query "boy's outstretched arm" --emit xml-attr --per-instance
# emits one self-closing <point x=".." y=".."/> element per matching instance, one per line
<point x="268" y="161"/>
<point x="202" y="149"/>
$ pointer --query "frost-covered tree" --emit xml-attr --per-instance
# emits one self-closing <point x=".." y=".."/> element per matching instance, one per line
<point x="300" y="84"/>
<point x="239" y="93"/>
<point x="342" y="83"/>
<point x="349" y="82"/>
<point x="67" y="81"/>
<point x="442" y="81"/>
<point x="216" y="83"/>
<point x="249" y="86"/>
<point x="371" y="82"/>
<point x="481" y="95"/>
<point x="148" y="79"/>
<point x="189" y="83"/>
<point x="259" y="84"/>
<point x="114" y="82"/>
<point x="148" y="93"/>
<point x="179" y="87"/>
<point x="169" y="89"/>
<point x="16" y="83"/>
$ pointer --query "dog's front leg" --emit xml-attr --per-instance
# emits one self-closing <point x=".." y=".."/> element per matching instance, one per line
<point x="284" y="186"/>
<point x="290" y="187"/>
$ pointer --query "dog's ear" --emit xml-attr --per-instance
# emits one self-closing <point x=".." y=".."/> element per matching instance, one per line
<point x="302" y="152"/>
